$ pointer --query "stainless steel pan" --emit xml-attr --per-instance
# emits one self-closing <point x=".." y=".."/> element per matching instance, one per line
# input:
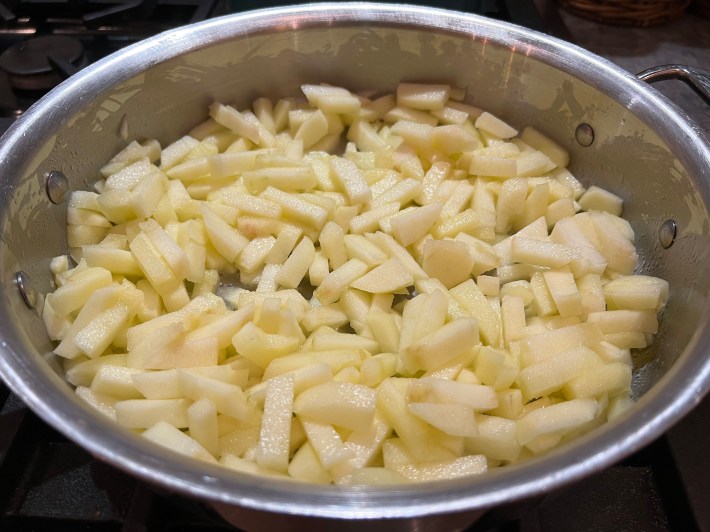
<point x="642" y="147"/>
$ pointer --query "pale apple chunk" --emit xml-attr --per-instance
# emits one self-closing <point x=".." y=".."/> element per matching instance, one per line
<point x="364" y="136"/>
<point x="611" y="353"/>
<point x="342" y="404"/>
<point x="187" y="318"/>
<point x="534" y="163"/>
<point x="541" y="253"/>
<point x="494" y="125"/>
<point x="512" y="318"/>
<point x="82" y="373"/>
<point x="598" y="199"/>
<point x="433" y="390"/>
<point x="260" y="347"/>
<point x="119" y="261"/>
<point x="146" y="195"/>
<point x="538" y="347"/>
<point x="593" y="300"/>
<point x="556" y="420"/>
<point x="454" y="139"/>
<point x="232" y="119"/>
<point x="627" y="340"/>
<point x="636" y="292"/>
<point x="431" y="285"/>
<point x="318" y="270"/>
<point x="417" y="435"/>
<point x="332" y="244"/>
<point x="447" y="260"/>
<point x="546" y="145"/>
<point x="399" y="113"/>
<point x="115" y="381"/>
<point x="307" y="372"/>
<point x="496" y="439"/>
<point x="390" y="246"/>
<point x="79" y="217"/>
<point x="196" y="167"/>
<point x="172" y="438"/>
<point x="126" y="301"/>
<point x="229" y="372"/>
<point x="77" y="290"/>
<point x="431" y="470"/>
<point x="306" y="466"/>
<point x="297" y="209"/>
<point x="375" y="369"/>
<point x="174" y="153"/>
<point x="467" y="221"/>
<point x="437" y="348"/>
<point x="489" y="166"/>
<point x="273" y="447"/>
<point x="612" y="379"/>
<point x="510" y="404"/>
<point x="105" y="404"/>
<point x="620" y="321"/>
<point x="287" y="178"/>
<point x="253" y="256"/>
<point x="133" y="152"/>
<point x="163" y="384"/>
<point x="389" y="276"/>
<point x="224" y="327"/>
<point x="437" y="174"/>
<point x="327" y="443"/>
<point x="94" y="339"/>
<point x="227" y="398"/>
<point x="349" y="178"/>
<point x="296" y="265"/>
<point x="151" y="262"/>
<point x="285" y="242"/>
<point x="424" y="97"/>
<point x="552" y="373"/>
<point x="496" y="368"/>
<point x="328" y="340"/>
<point x="225" y="238"/>
<point x="328" y="315"/>
<point x="454" y="419"/>
<point x="615" y="245"/>
<point x="173" y="351"/>
<point x="408" y="227"/>
<point x="471" y="299"/>
<point x="385" y="330"/>
<point x="510" y="204"/>
<point x="359" y="247"/>
<point x="365" y="446"/>
<point x="247" y="465"/>
<point x="144" y="413"/>
<point x="564" y="292"/>
<point x="543" y="303"/>
<point x="337" y="281"/>
<point x="203" y="425"/>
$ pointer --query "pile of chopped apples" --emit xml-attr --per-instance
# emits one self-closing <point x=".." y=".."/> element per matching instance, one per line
<point x="349" y="289"/>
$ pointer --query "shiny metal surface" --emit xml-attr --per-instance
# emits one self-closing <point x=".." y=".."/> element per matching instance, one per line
<point x="645" y="150"/>
<point x="696" y="78"/>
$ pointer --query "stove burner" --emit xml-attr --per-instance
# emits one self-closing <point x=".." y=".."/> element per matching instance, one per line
<point x="42" y="62"/>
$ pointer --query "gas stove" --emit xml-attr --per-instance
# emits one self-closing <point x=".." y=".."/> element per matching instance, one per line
<point x="49" y="483"/>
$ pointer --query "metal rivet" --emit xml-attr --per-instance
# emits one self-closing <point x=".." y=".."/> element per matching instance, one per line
<point x="667" y="232"/>
<point x="584" y="135"/>
<point x="57" y="186"/>
<point x="27" y="291"/>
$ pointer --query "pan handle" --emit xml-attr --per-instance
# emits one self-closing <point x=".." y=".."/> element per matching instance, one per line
<point x="697" y="79"/>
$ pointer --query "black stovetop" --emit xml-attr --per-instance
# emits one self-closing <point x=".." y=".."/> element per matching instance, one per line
<point x="48" y="483"/>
